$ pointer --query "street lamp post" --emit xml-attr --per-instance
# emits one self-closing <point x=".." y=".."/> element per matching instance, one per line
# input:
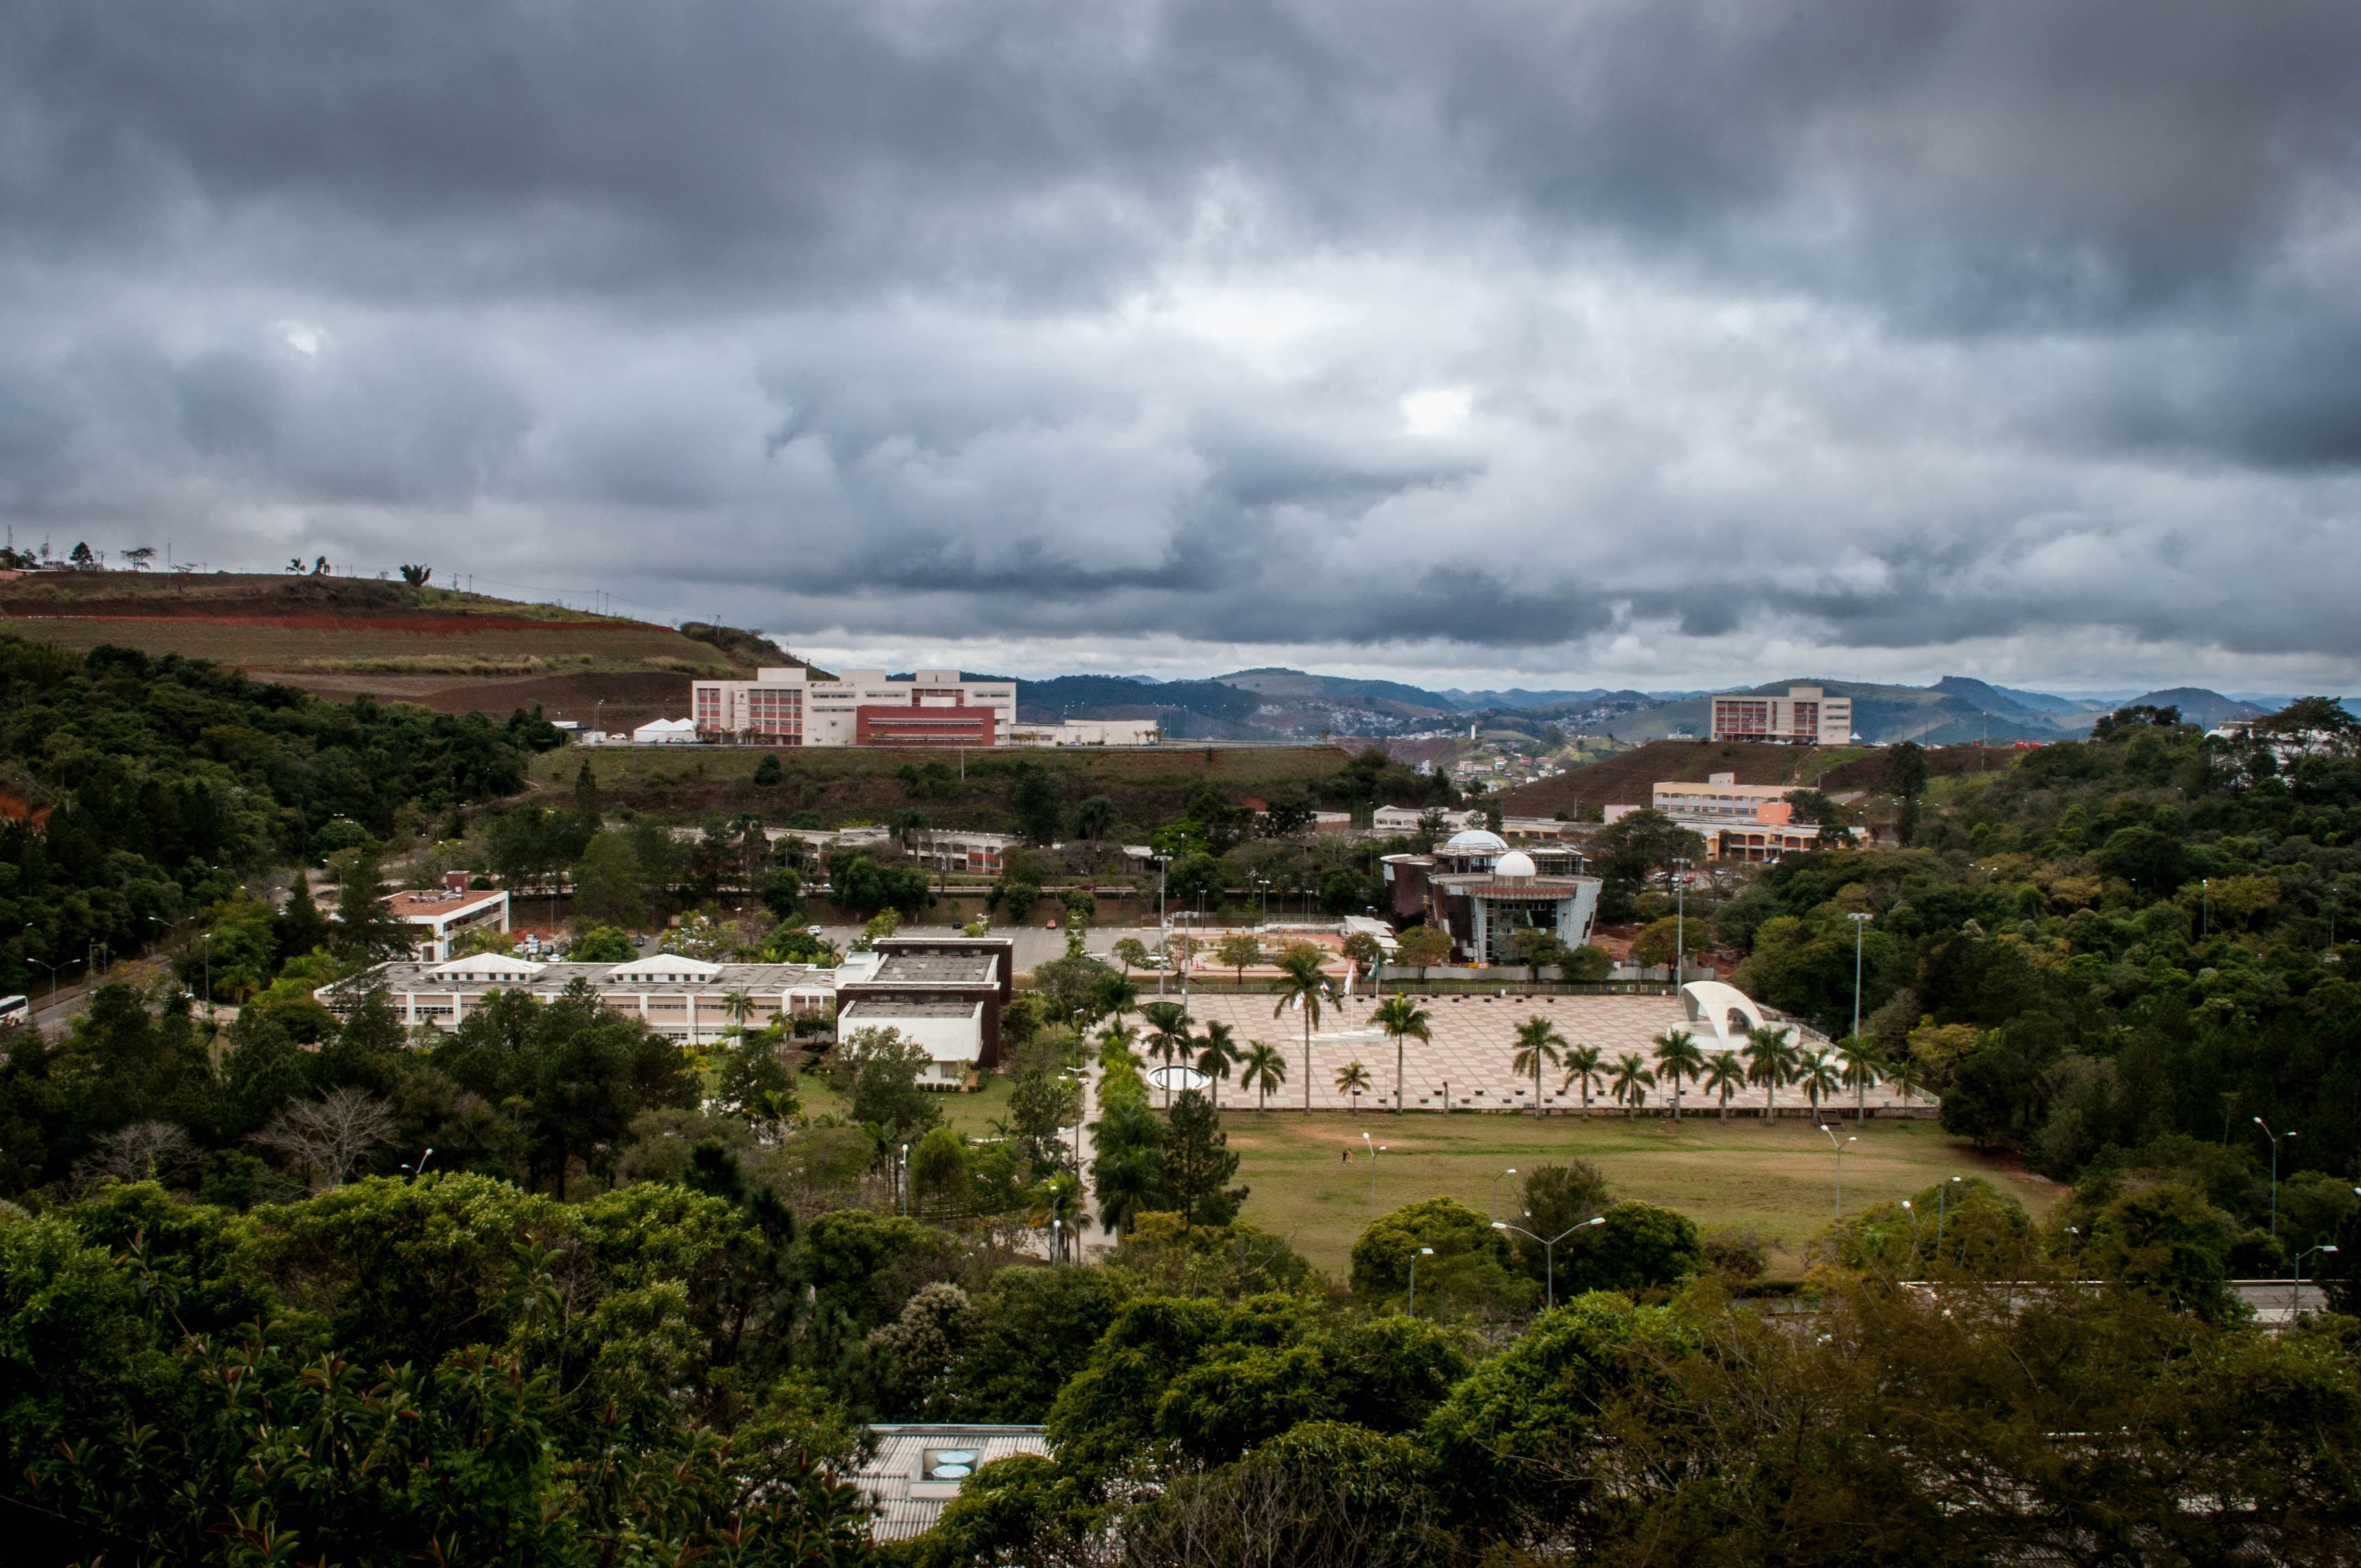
<point x="1857" y="920"/>
<point x="1680" y="890"/>
<point x="420" y="1168"/>
<point x="1163" y="930"/>
<point x="1375" y="1150"/>
<point x="2295" y="1307"/>
<point x="905" y="1183"/>
<point x="1496" y="1193"/>
<point x="2275" y="1138"/>
<point x="1840" y="1149"/>
<point x="1423" y="1251"/>
<point x="1914" y="1231"/>
<point x="1549" y="1247"/>
<point x="1942" y="1191"/>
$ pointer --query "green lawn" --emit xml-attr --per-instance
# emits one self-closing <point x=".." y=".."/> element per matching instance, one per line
<point x="1776" y="1180"/>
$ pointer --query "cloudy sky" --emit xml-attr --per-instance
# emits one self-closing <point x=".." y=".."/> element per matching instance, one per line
<point x="1476" y="343"/>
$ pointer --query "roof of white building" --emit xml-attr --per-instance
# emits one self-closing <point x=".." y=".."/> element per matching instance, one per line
<point x="484" y="967"/>
<point x="1475" y="841"/>
<point x="664" y="967"/>
<point x="911" y="1491"/>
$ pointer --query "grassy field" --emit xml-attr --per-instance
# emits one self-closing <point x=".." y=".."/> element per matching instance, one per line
<point x="1777" y="1181"/>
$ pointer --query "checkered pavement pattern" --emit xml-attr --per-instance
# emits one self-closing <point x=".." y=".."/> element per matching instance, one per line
<point x="1475" y="1036"/>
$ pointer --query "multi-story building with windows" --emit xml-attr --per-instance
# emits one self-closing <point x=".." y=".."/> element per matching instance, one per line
<point x="1807" y="716"/>
<point x="860" y="708"/>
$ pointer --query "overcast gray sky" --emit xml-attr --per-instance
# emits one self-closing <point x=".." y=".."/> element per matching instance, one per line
<point x="1473" y="343"/>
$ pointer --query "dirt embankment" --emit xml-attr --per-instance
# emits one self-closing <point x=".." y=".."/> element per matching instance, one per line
<point x="1626" y="778"/>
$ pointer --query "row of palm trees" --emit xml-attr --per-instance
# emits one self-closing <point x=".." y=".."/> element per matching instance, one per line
<point x="1164" y="1034"/>
<point x="1771" y="1059"/>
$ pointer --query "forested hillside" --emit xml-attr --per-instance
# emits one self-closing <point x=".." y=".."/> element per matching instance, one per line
<point x="2106" y="948"/>
<point x="140" y="791"/>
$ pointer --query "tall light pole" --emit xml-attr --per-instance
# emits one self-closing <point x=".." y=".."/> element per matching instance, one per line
<point x="1163" y="933"/>
<point x="1856" y="920"/>
<point x="420" y="1168"/>
<point x="1840" y="1149"/>
<point x="1942" y="1191"/>
<point x="1549" y="1247"/>
<point x="1680" y="890"/>
<point x="1423" y="1251"/>
<point x="1496" y="1191"/>
<point x="2275" y="1138"/>
<point x="1375" y="1150"/>
<point x="2295" y="1307"/>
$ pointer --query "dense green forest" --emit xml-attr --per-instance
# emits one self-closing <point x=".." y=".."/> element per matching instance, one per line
<point x="141" y="791"/>
<point x="2125" y="952"/>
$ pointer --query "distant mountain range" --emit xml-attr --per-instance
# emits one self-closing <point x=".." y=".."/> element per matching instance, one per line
<point x="1276" y="703"/>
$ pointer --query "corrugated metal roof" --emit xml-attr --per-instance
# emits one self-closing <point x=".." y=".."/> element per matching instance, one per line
<point x="897" y="1479"/>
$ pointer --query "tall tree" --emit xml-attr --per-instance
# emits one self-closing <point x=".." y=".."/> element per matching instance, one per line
<point x="1217" y="1052"/>
<point x="1724" y="1075"/>
<point x="1538" y="1043"/>
<point x="1198" y="1163"/>
<point x="1301" y="982"/>
<point x="1402" y="1019"/>
<point x="365" y="926"/>
<point x="1678" y="1057"/>
<point x="1585" y="1065"/>
<point x="1632" y="1080"/>
<point x="1770" y="1063"/>
<point x="1266" y="1071"/>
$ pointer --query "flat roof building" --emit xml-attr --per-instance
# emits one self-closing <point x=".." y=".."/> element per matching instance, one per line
<point x="1721" y="796"/>
<point x="1807" y="716"/>
<point x="860" y="708"/>
<point x="684" y="999"/>
<point x="435" y="919"/>
<point x="944" y="993"/>
<point x="918" y="1468"/>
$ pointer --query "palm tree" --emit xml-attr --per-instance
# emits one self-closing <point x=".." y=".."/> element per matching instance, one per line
<point x="1863" y="1068"/>
<point x="1632" y="1079"/>
<point x="1353" y="1079"/>
<point x="1216" y="1053"/>
<point x="1583" y="1065"/>
<point x="1168" y="1034"/>
<point x="739" y="1006"/>
<point x="1299" y="981"/>
<point x="1817" y="1072"/>
<point x="1725" y="1075"/>
<point x="1770" y="1062"/>
<point x="1678" y="1057"/>
<point x="1265" y="1070"/>
<point x="1402" y="1018"/>
<point x="1537" y="1044"/>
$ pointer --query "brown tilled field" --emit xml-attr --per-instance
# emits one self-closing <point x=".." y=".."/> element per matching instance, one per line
<point x="343" y="636"/>
<point x="1625" y="779"/>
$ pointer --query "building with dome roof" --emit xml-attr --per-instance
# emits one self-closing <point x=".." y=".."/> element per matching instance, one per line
<point x="1484" y="894"/>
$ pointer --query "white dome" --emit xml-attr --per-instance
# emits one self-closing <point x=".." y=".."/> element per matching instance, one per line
<point x="1475" y="841"/>
<point x="1516" y="862"/>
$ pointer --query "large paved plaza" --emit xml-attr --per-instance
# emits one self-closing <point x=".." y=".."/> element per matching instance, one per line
<point x="1466" y="1066"/>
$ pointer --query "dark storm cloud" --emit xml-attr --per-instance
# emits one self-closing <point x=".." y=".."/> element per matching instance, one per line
<point x="1498" y="326"/>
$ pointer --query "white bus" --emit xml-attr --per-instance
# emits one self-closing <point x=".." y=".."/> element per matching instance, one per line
<point x="15" y="1012"/>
